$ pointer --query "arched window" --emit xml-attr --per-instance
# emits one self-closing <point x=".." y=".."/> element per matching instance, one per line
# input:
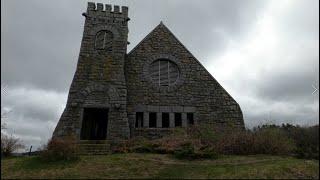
<point x="104" y="40"/>
<point x="164" y="72"/>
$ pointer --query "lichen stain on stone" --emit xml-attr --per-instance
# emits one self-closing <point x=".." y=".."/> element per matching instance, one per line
<point x="107" y="65"/>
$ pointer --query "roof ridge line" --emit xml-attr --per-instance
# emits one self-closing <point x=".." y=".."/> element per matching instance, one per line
<point x="145" y="38"/>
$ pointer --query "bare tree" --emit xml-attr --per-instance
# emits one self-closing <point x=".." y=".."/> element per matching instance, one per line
<point x="10" y="144"/>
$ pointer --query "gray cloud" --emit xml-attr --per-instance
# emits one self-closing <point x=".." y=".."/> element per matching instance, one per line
<point x="37" y="50"/>
<point x="36" y="104"/>
<point x="41" y="39"/>
<point x="293" y="87"/>
<point x="302" y="116"/>
<point x="202" y="27"/>
<point x="33" y="113"/>
<point x="269" y="74"/>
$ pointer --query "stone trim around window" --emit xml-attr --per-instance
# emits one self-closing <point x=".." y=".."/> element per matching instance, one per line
<point x="151" y="84"/>
<point x="95" y="30"/>
<point x="112" y="29"/>
<point x="159" y="110"/>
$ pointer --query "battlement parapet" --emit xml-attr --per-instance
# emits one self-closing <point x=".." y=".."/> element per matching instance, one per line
<point x="99" y="9"/>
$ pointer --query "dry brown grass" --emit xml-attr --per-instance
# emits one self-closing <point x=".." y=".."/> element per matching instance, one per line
<point x="132" y="165"/>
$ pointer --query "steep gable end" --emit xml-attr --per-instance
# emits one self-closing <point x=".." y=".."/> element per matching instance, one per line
<point x="166" y="34"/>
<point x="194" y="88"/>
<point x="151" y="34"/>
<point x="162" y="35"/>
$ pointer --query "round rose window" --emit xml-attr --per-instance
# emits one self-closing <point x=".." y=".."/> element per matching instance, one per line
<point x="164" y="72"/>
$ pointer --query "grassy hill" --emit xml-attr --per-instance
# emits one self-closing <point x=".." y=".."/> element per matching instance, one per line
<point x="134" y="165"/>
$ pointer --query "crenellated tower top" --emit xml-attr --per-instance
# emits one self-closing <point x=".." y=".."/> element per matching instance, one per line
<point x="107" y="10"/>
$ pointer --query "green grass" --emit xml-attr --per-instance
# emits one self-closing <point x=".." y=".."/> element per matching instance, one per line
<point x="161" y="166"/>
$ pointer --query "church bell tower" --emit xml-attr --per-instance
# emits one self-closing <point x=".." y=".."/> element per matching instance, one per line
<point x="96" y="105"/>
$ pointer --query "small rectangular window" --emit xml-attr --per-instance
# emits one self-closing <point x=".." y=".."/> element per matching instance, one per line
<point x="165" y="120"/>
<point x="152" y="120"/>
<point x="177" y="120"/>
<point x="190" y="118"/>
<point x="139" y="119"/>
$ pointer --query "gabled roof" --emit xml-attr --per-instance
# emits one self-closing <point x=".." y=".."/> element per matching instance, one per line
<point x="163" y="27"/>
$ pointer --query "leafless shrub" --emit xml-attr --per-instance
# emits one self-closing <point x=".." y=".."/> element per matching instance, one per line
<point x="204" y="141"/>
<point x="261" y="141"/>
<point x="10" y="144"/>
<point x="65" y="148"/>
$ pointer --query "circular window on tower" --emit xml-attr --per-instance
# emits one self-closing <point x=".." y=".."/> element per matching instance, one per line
<point x="103" y="41"/>
<point x="164" y="72"/>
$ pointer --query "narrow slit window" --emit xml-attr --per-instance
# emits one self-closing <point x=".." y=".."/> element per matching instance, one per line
<point x="165" y="120"/>
<point x="152" y="120"/>
<point x="139" y="120"/>
<point x="190" y="118"/>
<point x="177" y="120"/>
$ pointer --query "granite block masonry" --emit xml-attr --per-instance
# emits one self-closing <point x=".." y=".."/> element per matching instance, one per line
<point x="158" y="86"/>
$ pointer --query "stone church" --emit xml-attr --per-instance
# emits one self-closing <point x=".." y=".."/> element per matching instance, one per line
<point x="159" y="85"/>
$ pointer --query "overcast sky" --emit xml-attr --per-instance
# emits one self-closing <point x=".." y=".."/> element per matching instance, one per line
<point x="264" y="53"/>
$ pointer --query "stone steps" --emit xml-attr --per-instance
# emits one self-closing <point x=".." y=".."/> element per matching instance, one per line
<point x="94" y="142"/>
<point x="89" y="147"/>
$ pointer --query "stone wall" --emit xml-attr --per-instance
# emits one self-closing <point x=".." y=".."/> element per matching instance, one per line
<point x="110" y="78"/>
<point x="195" y="88"/>
<point x="151" y="133"/>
